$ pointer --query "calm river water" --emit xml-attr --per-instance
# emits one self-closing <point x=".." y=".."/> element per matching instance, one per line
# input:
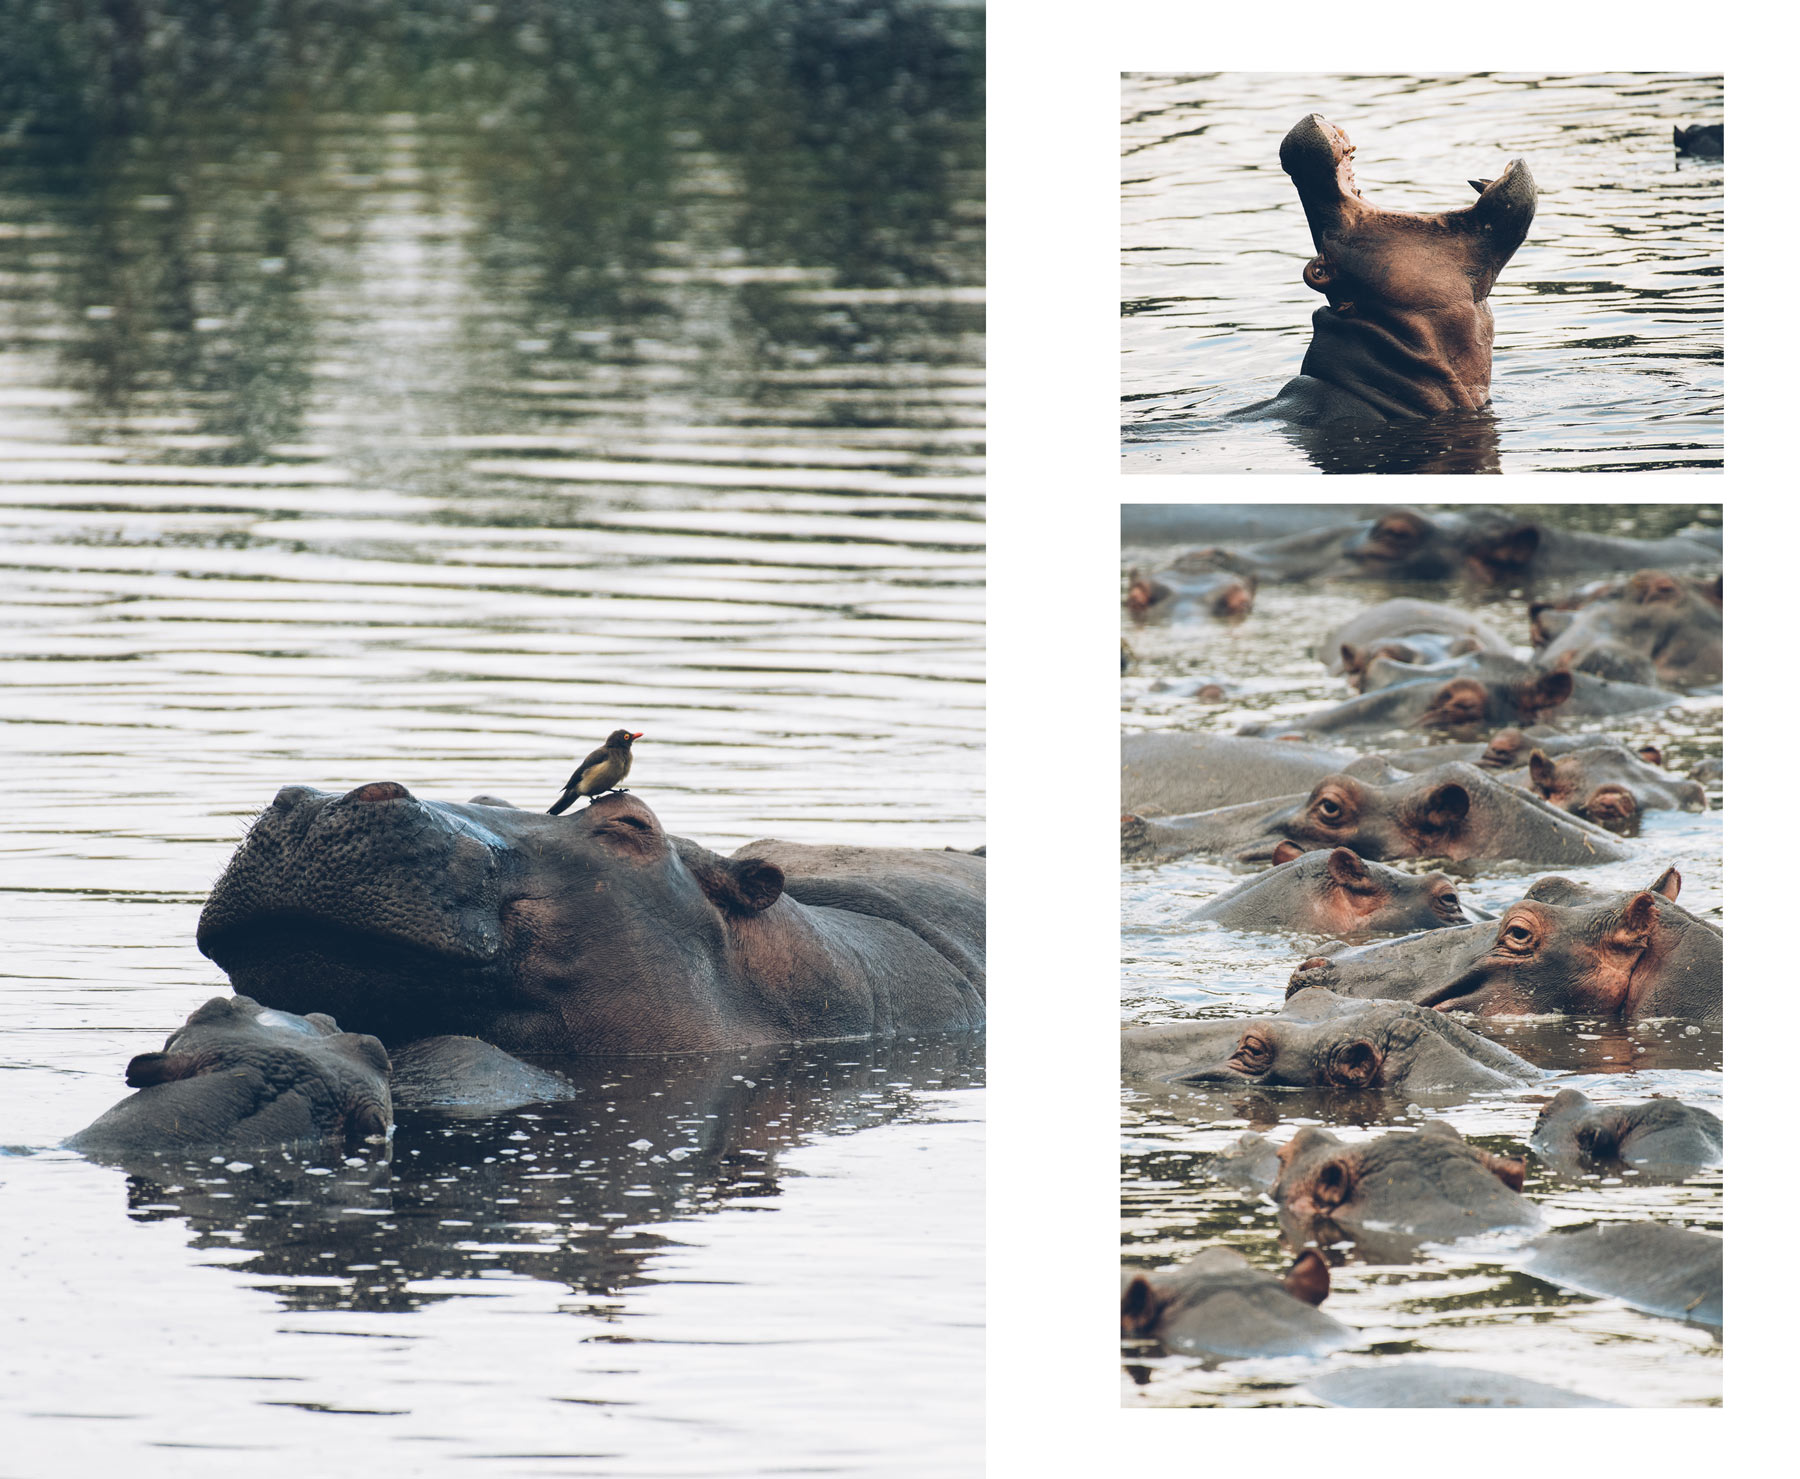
<point x="1609" y="322"/>
<point x="419" y="395"/>
<point x="1462" y="1305"/>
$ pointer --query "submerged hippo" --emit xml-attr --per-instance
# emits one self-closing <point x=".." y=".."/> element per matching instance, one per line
<point x="592" y="932"/>
<point x="1428" y="629"/>
<point x="1172" y="771"/>
<point x="1428" y="1184"/>
<point x="1629" y="956"/>
<point x="1319" y="1040"/>
<point x="1218" y="1305"/>
<point x="1335" y="893"/>
<point x="1678" y="625"/>
<point x="1406" y="331"/>
<point x="1452" y="811"/>
<point x="1668" y="1271"/>
<point x="239" y="1076"/>
<point x="1663" y="1134"/>
<point x="1608" y="784"/>
<point x="1180" y="593"/>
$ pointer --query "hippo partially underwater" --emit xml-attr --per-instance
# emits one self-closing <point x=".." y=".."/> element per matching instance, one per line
<point x="444" y="933"/>
<point x="1406" y="331"/>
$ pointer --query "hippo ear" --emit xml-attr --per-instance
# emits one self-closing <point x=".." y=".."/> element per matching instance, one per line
<point x="1547" y="690"/>
<point x="1668" y="884"/>
<point x="1347" y="870"/>
<point x="1446" y="806"/>
<point x="1543" y="772"/>
<point x="1309" y="1280"/>
<point x="1350" y="657"/>
<point x="1510" y="1171"/>
<point x="1639" y="916"/>
<point x="1650" y="755"/>
<point x="158" y="1068"/>
<point x="740" y="886"/>
<point x="1138" y="1307"/>
<point x="1286" y="852"/>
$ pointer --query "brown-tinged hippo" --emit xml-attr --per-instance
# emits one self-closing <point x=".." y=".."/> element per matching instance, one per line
<point x="1319" y="1040"/>
<point x="1564" y="947"/>
<point x="1399" y="1189"/>
<point x="592" y="932"/>
<point x="1679" y="625"/>
<point x="1217" y="1305"/>
<point x="239" y="1076"/>
<point x="1668" y="1271"/>
<point x="1188" y="590"/>
<point x="1335" y="893"/>
<point x="1453" y="811"/>
<point x="1659" y="1135"/>
<point x="1607" y="784"/>
<point x="1174" y="771"/>
<point x="1406" y="331"/>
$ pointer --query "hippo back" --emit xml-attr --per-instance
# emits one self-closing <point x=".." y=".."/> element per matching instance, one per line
<point x="939" y="896"/>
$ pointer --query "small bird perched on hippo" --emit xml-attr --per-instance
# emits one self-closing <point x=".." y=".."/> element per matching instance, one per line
<point x="600" y="772"/>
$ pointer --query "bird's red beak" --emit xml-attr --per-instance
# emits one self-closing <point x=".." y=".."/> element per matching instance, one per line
<point x="637" y="736"/>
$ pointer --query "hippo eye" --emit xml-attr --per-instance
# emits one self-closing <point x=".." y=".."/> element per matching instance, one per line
<point x="637" y="824"/>
<point x="1330" y="810"/>
<point x="1518" y="936"/>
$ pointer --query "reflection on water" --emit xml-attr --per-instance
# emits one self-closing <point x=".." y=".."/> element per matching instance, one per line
<point x="1460" y="1307"/>
<point x="1609" y="322"/>
<point x="418" y="393"/>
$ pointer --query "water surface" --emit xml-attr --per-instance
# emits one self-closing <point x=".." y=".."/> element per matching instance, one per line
<point x="419" y="394"/>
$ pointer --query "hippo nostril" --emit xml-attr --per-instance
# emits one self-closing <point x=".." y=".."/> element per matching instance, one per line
<point x="290" y="796"/>
<point x="379" y="791"/>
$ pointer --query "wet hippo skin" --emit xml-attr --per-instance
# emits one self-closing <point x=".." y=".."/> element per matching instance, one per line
<point x="1406" y="331"/>
<point x="1218" y="1305"/>
<point x="1319" y="1040"/>
<point x="1336" y="893"/>
<point x="239" y="1076"/>
<point x="591" y="932"/>
<point x="1663" y="1133"/>
<point x="1669" y="1271"/>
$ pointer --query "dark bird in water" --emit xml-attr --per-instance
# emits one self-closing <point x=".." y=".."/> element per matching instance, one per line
<point x="601" y="771"/>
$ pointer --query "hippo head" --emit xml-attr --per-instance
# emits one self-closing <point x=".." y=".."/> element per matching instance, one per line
<point x="1395" y="279"/>
<point x="1468" y="704"/>
<point x="1549" y="957"/>
<point x="244" y="1076"/>
<point x="1398" y="821"/>
<point x="592" y="931"/>
<point x="1428" y="1183"/>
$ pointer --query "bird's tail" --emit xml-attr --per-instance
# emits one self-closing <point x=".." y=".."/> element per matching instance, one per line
<point x="562" y="801"/>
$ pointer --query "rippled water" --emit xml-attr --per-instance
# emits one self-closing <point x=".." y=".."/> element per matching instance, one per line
<point x="1462" y="1306"/>
<point x="1609" y="320"/>
<point x="419" y="395"/>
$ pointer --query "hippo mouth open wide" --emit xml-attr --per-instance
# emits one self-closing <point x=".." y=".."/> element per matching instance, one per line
<point x="590" y="932"/>
<point x="1406" y="331"/>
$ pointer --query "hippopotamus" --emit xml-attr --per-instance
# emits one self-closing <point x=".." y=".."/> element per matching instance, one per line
<point x="1427" y="1384"/>
<point x="239" y="1076"/>
<point x="1428" y="630"/>
<point x="1453" y="811"/>
<point x="1563" y="948"/>
<point x="1607" y="784"/>
<point x="1659" y="1134"/>
<point x="1679" y="625"/>
<point x="1470" y="695"/>
<point x="1335" y="893"/>
<point x="1701" y="140"/>
<point x="1669" y="1271"/>
<point x="1398" y="1189"/>
<point x="591" y="932"/>
<point x="1172" y="772"/>
<point x="1319" y="1040"/>
<point x="1406" y="331"/>
<point x="1218" y="1305"/>
<point x="1181" y="592"/>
